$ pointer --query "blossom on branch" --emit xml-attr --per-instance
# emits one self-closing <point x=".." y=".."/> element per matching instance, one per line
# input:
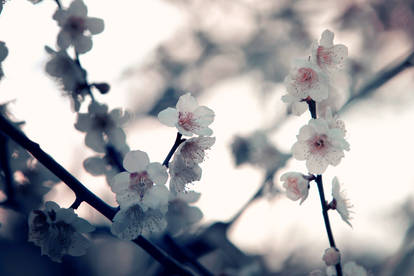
<point x="182" y="173"/>
<point x="331" y="256"/>
<point x="320" y="145"/>
<point x="58" y="231"/>
<point x="328" y="56"/>
<point x="77" y="27"/>
<point x="340" y="201"/>
<point x="296" y="185"/>
<point x="188" y="117"/>
<point x="3" y="54"/>
<point x="193" y="150"/>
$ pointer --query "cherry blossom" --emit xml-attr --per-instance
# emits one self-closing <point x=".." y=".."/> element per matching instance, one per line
<point x="3" y="54"/>
<point x="296" y="104"/>
<point x="331" y="256"/>
<point x="74" y="22"/>
<point x="188" y="117"/>
<point x="296" y="185"/>
<point x="142" y="183"/>
<point x="132" y="221"/>
<point x="58" y="231"/>
<point x="328" y="56"/>
<point x="340" y="201"/>
<point x="182" y="174"/>
<point x="320" y="145"/>
<point x="193" y="150"/>
<point x="305" y="80"/>
<point x="103" y="128"/>
<point x="349" y="269"/>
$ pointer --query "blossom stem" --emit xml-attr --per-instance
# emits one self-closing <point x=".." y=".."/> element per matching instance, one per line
<point x="83" y="194"/>
<point x="115" y="157"/>
<point x="58" y="4"/>
<point x="177" y="142"/>
<point x="76" y="203"/>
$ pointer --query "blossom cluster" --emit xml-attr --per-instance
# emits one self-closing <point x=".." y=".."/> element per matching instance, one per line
<point x="143" y="198"/>
<point x="321" y="142"/>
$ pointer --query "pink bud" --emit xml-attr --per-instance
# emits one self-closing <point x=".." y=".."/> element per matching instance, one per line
<point x="331" y="256"/>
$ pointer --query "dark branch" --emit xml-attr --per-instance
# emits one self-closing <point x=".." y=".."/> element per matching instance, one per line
<point x="177" y="142"/>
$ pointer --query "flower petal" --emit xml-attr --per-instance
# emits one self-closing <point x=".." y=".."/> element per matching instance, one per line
<point x="157" y="173"/>
<point x="186" y="103"/>
<point x="95" y="25"/>
<point x="136" y="161"/>
<point x="168" y="117"/>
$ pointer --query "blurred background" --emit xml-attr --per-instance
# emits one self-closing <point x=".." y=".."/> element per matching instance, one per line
<point x="232" y="56"/>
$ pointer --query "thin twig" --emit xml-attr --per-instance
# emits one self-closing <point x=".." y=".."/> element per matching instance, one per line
<point x="177" y="142"/>
<point x="5" y="167"/>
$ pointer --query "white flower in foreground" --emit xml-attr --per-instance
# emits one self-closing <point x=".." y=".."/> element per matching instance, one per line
<point x="3" y="54"/>
<point x="188" y="117"/>
<point x="349" y="269"/>
<point x="103" y="128"/>
<point x="132" y="221"/>
<point x="319" y="145"/>
<point x="327" y="55"/>
<point x="58" y="231"/>
<point x="74" y="22"/>
<point x="142" y="183"/>
<point x="305" y="80"/>
<point x="192" y="150"/>
<point x="296" y="185"/>
<point x="331" y="256"/>
<point x="340" y="202"/>
<point x="181" y="174"/>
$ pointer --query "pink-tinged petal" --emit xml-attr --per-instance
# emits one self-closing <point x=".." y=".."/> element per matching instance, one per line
<point x="187" y="103"/>
<point x="204" y="131"/>
<point x="78" y="8"/>
<point x="316" y="164"/>
<point x="95" y="25"/>
<point x="204" y="115"/>
<point x="153" y="222"/>
<point x="339" y="54"/>
<point x="327" y="38"/>
<point x="298" y="108"/>
<point x="63" y="40"/>
<point x="334" y="156"/>
<point x="168" y="117"/>
<point x="127" y="223"/>
<point x="157" y="173"/>
<point x="300" y="150"/>
<point x="128" y="199"/>
<point x="156" y="198"/>
<point x="120" y="182"/>
<point x="136" y="161"/>
<point x="306" y="132"/>
<point x="82" y="44"/>
<point x="183" y="131"/>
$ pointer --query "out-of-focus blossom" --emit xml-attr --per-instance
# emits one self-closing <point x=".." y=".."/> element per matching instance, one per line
<point x="3" y="54"/>
<point x="328" y="56"/>
<point x="103" y="128"/>
<point x="331" y="256"/>
<point x="77" y="27"/>
<point x="334" y="122"/>
<point x="188" y="117"/>
<point x="340" y="201"/>
<point x="72" y="78"/>
<point x="333" y="102"/>
<point x="320" y="145"/>
<point x="296" y="185"/>
<point x="181" y="174"/>
<point x="193" y="150"/>
<point x="305" y="80"/>
<point x="142" y="184"/>
<point x="181" y="215"/>
<point x="58" y="231"/>
<point x="349" y="269"/>
<point x="132" y="221"/>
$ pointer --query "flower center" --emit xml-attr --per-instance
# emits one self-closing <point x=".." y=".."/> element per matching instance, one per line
<point x="306" y="76"/>
<point x="186" y="121"/>
<point x="318" y="143"/>
<point x="140" y="183"/>
<point x="75" y="26"/>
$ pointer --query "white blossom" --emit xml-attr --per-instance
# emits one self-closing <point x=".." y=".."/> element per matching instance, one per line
<point x="340" y="202"/>
<point x="296" y="185"/>
<point x="142" y="184"/>
<point x="320" y="145"/>
<point x="349" y="269"/>
<point x="331" y="256"/>
<point x="193" y="150"/>
<point x="132" y="221"/>
<point x="188" y="117"/>
<point x="103" y="128"/>
<point x="58" y="231"/>
<point x="77" y="27"/>
<point x="306" y="80"/>
<point x="296" y="104"/>
<point x="182" y="174"/>
<point x="328" y="56"/>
